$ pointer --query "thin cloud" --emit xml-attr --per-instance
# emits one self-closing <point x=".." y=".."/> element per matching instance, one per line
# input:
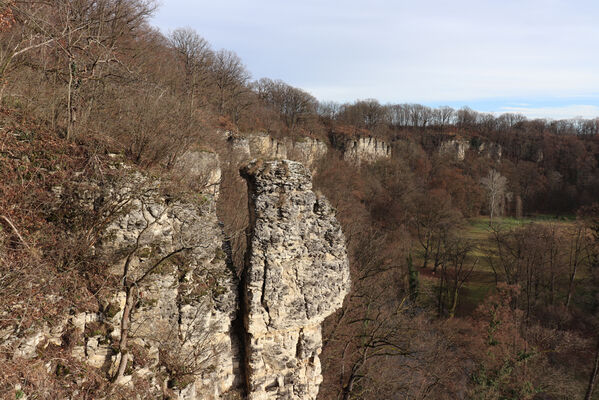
<point x="428" y="52"/>
<point x="559" y="112"/>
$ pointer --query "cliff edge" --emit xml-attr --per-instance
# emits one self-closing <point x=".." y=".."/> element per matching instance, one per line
<point x="296" y="274"/>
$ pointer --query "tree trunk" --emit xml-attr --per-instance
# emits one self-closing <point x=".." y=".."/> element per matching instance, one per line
<point x="454" y="302"/>
<point x="593" y="378"/>
<point x="70" y="110"/>
<point x="412" y="279"/>
<point x="437" y="256"/>
<point x="426" y="252"/>
<point x="571" y="286"/>
<point x="349" y="387"/>
<point x="440" y="296"/>
<point x="125" y="324"/>
<point x="518" y="206"/>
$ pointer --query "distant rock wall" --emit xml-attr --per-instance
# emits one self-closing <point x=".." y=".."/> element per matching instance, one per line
<point x="203" y="167"/>
<point x="490" y="150"/>
<point x="366" y="150"/>
<point x="296" y="274"/>
<point x="457" y="148"/>
<point x="306" y="150"/>
<point x="263" y="145"/>
<point x="358" y="150"/>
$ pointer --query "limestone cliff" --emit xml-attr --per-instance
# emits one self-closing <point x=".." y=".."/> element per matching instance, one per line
<point x="185" y="296"/>
<point x="169" y="320"/>
<point x="455" y="148"/>
<point x="490" y="150"/>
<point x="263" y="145"/>
<point x="362" y="149"/>
<point x="203" y="168"/>
<point x="296" y="274"/>
<point x="367" y="149"/>
<point x="306" y="150"/>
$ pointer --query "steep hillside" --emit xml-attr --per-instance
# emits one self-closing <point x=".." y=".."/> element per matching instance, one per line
<point x="116" y="285"/>
<point x="136" y="260"/>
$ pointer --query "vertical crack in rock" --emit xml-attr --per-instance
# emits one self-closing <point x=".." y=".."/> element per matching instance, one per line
<point x="296" y="274"/>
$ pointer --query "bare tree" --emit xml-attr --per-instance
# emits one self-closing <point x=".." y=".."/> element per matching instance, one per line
<point x="496" y="186"/>
<point x="455" y="270"/>
<point x="579" y="247"/>
<point x="328" y="109"/>
<point x="81" y="38"/>
<point x="196" y="56"/>
<point x="230" y="79"/>
<point x="294" y="104"/>
<point x="445" y="115"/>
<point x="369" y="114"/>
<point x="433" y="218"/>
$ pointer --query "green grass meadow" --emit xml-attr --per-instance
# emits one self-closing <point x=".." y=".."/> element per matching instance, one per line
<point x="482" y="280"/>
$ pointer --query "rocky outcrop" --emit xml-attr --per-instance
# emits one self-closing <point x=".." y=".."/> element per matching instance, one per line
<point x="168" y="258"/>
<point x="202" y="167"/>
<point x="239" y="146"/>
<point x="296" y="274"/>
<point x="256" y="145"/>
<point x="167" y="321"/>
<point x="358" y="150"/>
<point x="306" y="150"/>
<point x="455" y="148"/>
<point x="490" y="150"/>
<point x="263" y="145"/>
<point x="366" y="149"/>
<point x="184" y="294"/>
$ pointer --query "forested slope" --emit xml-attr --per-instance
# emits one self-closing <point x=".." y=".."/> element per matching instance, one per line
<point x="85" y="83"/>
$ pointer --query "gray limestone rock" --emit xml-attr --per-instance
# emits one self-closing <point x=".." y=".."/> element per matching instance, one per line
<point x="366" y="149"/>
<point x="184" y="303"/>
<point x="203" y="167"/>
<point x="306" y="150"/>
<point x="184" y="306"/>
<point x="361" y="149"/>
<point x="455" y="148"/>
<point x="296" y="274"/>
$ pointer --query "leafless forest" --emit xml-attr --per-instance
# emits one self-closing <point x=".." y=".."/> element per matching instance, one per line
<point x="474" y="248"/>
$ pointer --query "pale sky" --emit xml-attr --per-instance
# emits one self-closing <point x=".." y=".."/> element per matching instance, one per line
<point x="538" y="58"/>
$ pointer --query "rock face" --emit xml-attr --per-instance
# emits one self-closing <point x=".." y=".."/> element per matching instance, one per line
<point x="185" y="299"/>
<point x="168" y="265"/>
<point x="263" y="145"/>
<point x="456" y="148"/>
<point x="366" y="149"/>
<point x="296" y="274"/>
<point x="306" y="150"/>
<point x="490" y="150"/>
<point x="202" y="167"/>
<point x="239" y="145"/>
